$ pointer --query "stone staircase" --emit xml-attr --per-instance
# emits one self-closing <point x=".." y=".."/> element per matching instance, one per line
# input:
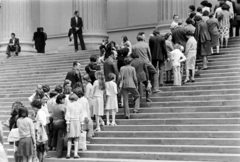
<point x="195" y="122"/>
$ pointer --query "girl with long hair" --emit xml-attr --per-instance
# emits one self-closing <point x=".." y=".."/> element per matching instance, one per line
<point x="99" y="88"/>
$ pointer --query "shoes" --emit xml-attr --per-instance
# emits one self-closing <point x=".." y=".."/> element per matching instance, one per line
<point x="156" y="91"/>
<point x="113" y="124"/>
<point x="76" y="157"/>
<point x="186" y="81"/>
<point x="204" y="68"/>
<point x="136" y="111"/>
<point x="148" y="100"/>
<point x="68" y="157"/>
<point x="98" y="129"/>
<point x="127" y="117"/>
<point x="76" y="50"/>
<point x="192" y="80"/>
<point x="8" y="56"/>
<point x="16" y="53"/>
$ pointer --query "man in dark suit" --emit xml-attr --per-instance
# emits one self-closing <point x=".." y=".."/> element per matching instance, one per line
<point x="110" y="65"/>
<point x="77" y="24"/>
<point x="13" y="46"/>
<point x="38" y="38"/>
<point x="44" y="41"/>
<point x="75" y="76"/>
<point x="179" y="35"/>
<point x="92" y="67"/>
<point x="159" y="52"/>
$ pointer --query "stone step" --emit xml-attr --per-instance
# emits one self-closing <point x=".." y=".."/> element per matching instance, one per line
<point x="100" y="160"/>
<point x="161" y="156"/>
<point x="168" y="134"/>
<point x="180" y="120"/>
<point x="165" y="148"/>
<point x="226" y="127"/>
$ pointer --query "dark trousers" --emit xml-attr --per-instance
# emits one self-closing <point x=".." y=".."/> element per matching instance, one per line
<point x="237" y="28"/>
<point x="12" y="48"/>
<point x="59" y="129"/>
<point x="153" y="74"/>
<point x="136" y="96"/>
<point x="40" y="48"/>
<point x="80" y="36"/>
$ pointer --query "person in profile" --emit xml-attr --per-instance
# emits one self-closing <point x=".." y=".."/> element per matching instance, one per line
<point x="44" y="41"/>
<point x="77" y="24"/>
<point x="13" y="46"/>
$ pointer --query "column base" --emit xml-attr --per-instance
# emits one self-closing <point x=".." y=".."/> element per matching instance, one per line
<point x="92" y="42"/>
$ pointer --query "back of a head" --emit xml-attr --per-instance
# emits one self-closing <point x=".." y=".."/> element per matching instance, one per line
<point x="22" y="112"/>
<point x="46" y="88"/>
<point x="59" y="89"/>
<point x="204" y="3"/>
<point x="189" y="33"/>
<point x="93" y="58"/>
<point x="205" y="13"/>
<point x="101" y="80"/>
<point x="60" y="98"/>
<point x="127" y="60"/>
<point x="197" y="18"/>
<point x="111" y="76"/>
<point x="78" y="91"/>
<point x="39" y="94"/>
<point x="140" y="36"/>
<point x="192" y="15"/>
<point x="134" y="55"/>
<point x="36" y="104"/>
<point x="199" y="9"/>
<point x="192" y="7"/>
<point x="73" y="97"/>
<point x="53" y="94"/>
<point x="156" y="32"/>
<point x="166" y="36"/>
<point x="75" y="63"/>
<point x="67" y="89"/>
<point x="125" y="38"/>
<point x="225" y="7"/>
<point x="189" y="21"/>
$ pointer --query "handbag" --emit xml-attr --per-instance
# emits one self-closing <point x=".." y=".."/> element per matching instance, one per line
<point x="234" y="22"/>
<point x="14" y="135"/>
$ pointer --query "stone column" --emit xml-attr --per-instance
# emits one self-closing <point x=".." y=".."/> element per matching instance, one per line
<point x="94" y="15"/>
<point x="16" y="18"/>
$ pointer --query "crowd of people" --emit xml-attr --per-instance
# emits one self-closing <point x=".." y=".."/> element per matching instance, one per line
<point x="72" y="112"/>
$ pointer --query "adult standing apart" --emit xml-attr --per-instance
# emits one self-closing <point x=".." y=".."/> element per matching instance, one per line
<point x="110" y="65"/>
<point x="129" y="83"/>
<point x="143" y="50"/>
<point x="27" y="141"/>
<point x="224" y="24"/>
<point x="237" y="9"/>
<point x="77" y="24"/>
<point x="59" y="123"/>
<point x="190" y="53"/>
<point x="179" y="35"/>
<point x="38" y="38"/>
<point x="174" y="24"/>
<point x="74" y="75"/>
<point x="159" y="53"/>
<point x="205" y="16"/>
<point x="213" y="27"/>
<point x="45" y="38"/>
<point x="168" y="63"/>
<point x="203" y="38"/>
<point x="189" y="26"/>
<point x="142" y="74"/>
<point x="13" y="45"/>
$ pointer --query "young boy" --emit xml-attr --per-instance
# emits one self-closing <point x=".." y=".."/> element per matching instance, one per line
<point x="177" y="57"/>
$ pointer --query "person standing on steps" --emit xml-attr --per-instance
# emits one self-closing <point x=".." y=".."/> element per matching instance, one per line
<point x="74" y="75"/>
<point x="38" y="38"/>
<point x="44" y="40"/>
<point x="13" y="46"/>
<point x="77" y="24"/>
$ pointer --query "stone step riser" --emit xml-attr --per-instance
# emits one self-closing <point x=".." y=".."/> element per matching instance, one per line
<point x="174" y="128"/>
<point x="152" y="156"/>
<point x="186" y="149"/>
<point x="172" y="134"/>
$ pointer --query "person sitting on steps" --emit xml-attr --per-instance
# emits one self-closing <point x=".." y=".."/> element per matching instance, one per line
<point x="13" y="46"/>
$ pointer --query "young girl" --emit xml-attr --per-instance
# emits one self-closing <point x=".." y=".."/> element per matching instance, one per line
<point x="74" y="124"/>
<point x="177" y="57"/>
<point x="89" y="93"/>
<point x="98" y="91"/>
<point x="112" y="104"/>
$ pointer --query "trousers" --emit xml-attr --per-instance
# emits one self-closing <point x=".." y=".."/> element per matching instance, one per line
<point x="79" y="35"/>
<point x="177" y="75"/>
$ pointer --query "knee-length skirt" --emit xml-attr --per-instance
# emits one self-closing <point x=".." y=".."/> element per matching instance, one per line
<point x="215" y="40"/>
<point x="98" y="106"/>
<point x="25" y="147"/>
<point x="75" y="128"/>
<point x="112" y="103"/>
<point x="191" y="60"/>
<point x="206" y="48"/>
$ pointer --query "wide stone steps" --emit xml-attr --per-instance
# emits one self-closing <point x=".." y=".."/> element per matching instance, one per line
<point x="194" y="122"/>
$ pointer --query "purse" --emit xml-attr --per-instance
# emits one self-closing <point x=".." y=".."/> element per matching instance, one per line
<point x="14" y="135"/>
<point x="82" y="141"/>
